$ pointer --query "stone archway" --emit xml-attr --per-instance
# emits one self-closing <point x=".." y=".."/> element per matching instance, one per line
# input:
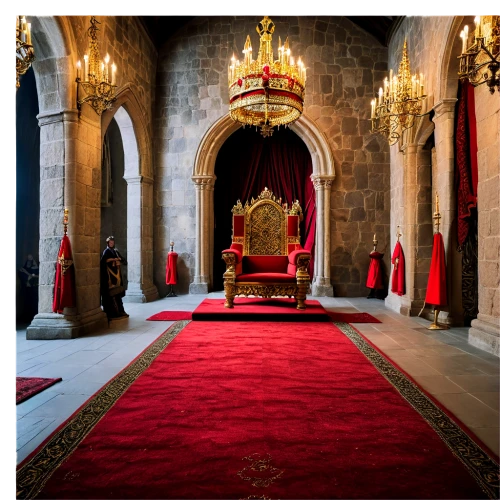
<point x="204" y="179"/>
<point x="138" y="175"/>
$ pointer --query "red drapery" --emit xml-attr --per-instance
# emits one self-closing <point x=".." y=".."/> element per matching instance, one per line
<point x="465" y="158"/>
<point x="375" y="276"/>
<point x="246" y="164"/>
<point x="64" y="288"/>
<point x="436" y="285"/>
<point x="171" y="269"/>
<point x="398" y="273"/>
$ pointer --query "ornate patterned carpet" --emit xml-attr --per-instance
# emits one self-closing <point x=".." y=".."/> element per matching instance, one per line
<point x="260" y="410"/>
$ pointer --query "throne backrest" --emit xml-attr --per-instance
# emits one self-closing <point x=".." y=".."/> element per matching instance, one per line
<point x="266" y="226"/>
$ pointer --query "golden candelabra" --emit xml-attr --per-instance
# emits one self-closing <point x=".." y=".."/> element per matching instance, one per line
<point x="97" y="83"/>
<point x="479" y="59"/>
<point x="399" y="102"/>
<point x="25" y="53"/>
<point x="266" y="92"/>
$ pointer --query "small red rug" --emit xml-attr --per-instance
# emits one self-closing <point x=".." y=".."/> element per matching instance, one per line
<point x="259" y="309"/>
<point x="26" y="387"/>
<point x="275" y="410"/>
<point x="170" y="316"/>
<point x="353" y="317"/>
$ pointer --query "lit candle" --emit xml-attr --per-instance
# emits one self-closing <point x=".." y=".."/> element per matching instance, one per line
<point x="23" y="30"/>
<point x="86" y="67"/>
<point x="288" y="56"/>
<point x="373" y="108"/>
<point x="29" y="33"/>
<point x="292" y="61"/>
<point x="78" y="67"/>
<point x="113" y="74"/>
<point x="17" y="22"/>
<point x="102" y="72"/>
<point x="462" y="36"/>
<point x="380" y="93"/>
<point x="477" y="20"/>
<point x="106" y="75"/>
<point x="466" y="36"/>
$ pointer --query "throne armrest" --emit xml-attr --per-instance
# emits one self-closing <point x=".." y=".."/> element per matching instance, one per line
<point x="293" y="257"/>
<point x="237" y="254"/>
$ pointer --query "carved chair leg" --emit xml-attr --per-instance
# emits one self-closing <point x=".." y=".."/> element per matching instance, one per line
<point x="301" y="296"/>
<point x="229" y="292"/>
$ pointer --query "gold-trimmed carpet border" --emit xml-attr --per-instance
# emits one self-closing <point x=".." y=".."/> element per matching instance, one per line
<point x="33" y="475"/>
<point x="480" y="465"/>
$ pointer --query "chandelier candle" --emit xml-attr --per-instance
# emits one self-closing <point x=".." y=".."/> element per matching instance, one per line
<point x="266" y="92"/>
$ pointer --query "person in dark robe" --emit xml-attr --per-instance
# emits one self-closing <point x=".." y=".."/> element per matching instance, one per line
<point x="29" y="275"/>
<point x="112" y="289"/>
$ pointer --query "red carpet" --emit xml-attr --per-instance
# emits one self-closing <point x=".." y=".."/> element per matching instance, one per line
<point x="170" y="316"/>
<point x="26" y="387"/>
<point x="353" y="317"/>
<point x="260" y="410"/>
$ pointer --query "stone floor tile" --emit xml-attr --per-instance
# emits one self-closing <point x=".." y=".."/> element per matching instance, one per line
<point x="477" y="383"/>
<point x="470" y="410"/>
<point x="489" y="436"/>
<point x="488" y="398"/>
<point x="438" y="384"/>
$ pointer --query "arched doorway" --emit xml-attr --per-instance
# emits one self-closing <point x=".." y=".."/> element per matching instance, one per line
<point x="27" y="198"/>
<point x="204" y="178"/>
<point x="114" y="192"/>
<point x="245" y="165"/>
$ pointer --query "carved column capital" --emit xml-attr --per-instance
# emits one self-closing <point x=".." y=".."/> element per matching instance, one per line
<point x="204" y="182"/>
<point x="444" y="106"/>
<point x="322" y="182"/>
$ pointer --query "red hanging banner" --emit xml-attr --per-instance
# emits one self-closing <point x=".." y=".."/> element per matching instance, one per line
<point x="64" y="288"/>
<point x="436" y="285"/>
<point x="398" y="273"/>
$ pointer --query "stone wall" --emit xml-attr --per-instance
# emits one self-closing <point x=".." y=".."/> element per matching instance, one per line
<point x="344" y="68"/>
<point x="486" y="329"/>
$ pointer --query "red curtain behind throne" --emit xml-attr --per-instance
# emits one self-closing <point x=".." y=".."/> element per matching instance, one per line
<point x="246" y="164"/>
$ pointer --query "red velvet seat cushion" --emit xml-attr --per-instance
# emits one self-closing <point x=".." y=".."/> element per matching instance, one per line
<point x="266" y="278"/>
<point x="265" y="264"/>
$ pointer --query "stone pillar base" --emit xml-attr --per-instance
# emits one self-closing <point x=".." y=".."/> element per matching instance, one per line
<point x="49" y="326"/>
<point x="322" y="287"/>
<point x="198" y="288"/>
<point x="485" y="336"/>
<point x="136" y="294"/>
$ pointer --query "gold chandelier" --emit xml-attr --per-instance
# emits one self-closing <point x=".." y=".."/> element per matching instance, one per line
<point x="479" y="61"/>
<point x="98" y="84"/>
<point x="266" y="92"/>
<point x="399" y="102"/>
<point x="25" y="53"/>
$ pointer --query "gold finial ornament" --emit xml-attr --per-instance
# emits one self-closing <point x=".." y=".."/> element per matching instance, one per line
<point x="398" y="233"/>
<point x="437" y="214"/>
<point x="266" y="92"/>
<point x="65" y="221"/>
<point x="375" y="242"/>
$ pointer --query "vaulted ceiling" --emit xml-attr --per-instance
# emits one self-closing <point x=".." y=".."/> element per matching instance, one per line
<point x="162" y="28"/>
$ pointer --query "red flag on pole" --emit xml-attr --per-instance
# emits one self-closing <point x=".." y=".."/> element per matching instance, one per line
<point x="64" y="288"/>
<point x="436" y="285"/>
<point x="398" y="273"/>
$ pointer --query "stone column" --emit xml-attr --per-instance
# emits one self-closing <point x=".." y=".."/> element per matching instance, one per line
<point x="68" y="160"/>
<point x="204" y="185"/>
<point x="321" y="283"/>
<point x="444" y="133"/>
<point x="139" y="240"/>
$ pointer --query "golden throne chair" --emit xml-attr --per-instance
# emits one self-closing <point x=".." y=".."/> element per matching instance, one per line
<point x="265" y="258"/>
